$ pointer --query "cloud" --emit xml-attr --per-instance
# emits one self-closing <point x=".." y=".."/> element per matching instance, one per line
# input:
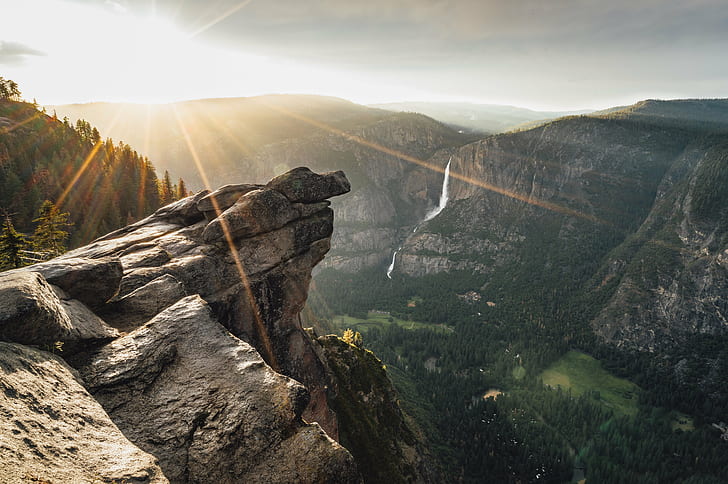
<point x="413" y="33"/>
<point x="14" y="53"/>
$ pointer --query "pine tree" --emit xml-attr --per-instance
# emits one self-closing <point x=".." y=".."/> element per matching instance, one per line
<point x="50" y="235"/>
<point x="12" y="244"/>
<point x="181" y="189"/>
<point x="353" y="337"/>
<point x="166" y="193"/>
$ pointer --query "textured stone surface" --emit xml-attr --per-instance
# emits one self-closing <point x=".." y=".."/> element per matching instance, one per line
<point x="91" y="281"/>
<point x="143" y="303"/>
<point x="30" y="312"/>
<point x="184" y="389"/>
<point x="254" y="213"/>
<point x="86" y="327"/>
<point x="212" y="326"/>
<point x="224" y="198"/>
<point x="33" y="312"/>
<point x="54" y="431"/>
<point x="303" y="185"/>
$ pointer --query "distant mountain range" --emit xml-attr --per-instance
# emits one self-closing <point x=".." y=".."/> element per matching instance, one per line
<point x="222" y="133"/>
<point x="478" y="118"/>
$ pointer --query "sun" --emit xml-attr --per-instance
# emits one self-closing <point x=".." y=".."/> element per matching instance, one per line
<point x="100" y="51"/>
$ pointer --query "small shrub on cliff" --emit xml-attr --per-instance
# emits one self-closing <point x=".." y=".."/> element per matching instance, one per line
<point x="353" y="338"/>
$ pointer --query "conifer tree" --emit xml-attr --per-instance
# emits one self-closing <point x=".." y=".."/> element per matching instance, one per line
<point x="181" y="189"/>
<point x="348" y="336"/>
<point x="12" y="244"/>
<point x="166" y="192"/>
<point x="50" y="234"/>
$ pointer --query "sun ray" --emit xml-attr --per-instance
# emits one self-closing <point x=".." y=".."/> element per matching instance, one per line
<point x="260" y="327"/>
<point x="17" y="125"/>
<point x="87" y="160"/>
<point x="147" y="142"/>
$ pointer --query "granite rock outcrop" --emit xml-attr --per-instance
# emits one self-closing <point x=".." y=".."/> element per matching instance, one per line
<point x="185" y="340"/>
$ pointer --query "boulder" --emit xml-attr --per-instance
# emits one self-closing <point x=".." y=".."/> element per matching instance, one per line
<point x="33" y="312"/>
<point x="203" y="402"/>
<point x="86" y="327"/>
<point x="54" y="431"/>
<point x="143" y="303"/>
<point x="141" y="256"/>
<point x="30" y="312"/>
<point x="91" y="281"/>
<point x="303" y="185"/>
<point x="256" y="212"/>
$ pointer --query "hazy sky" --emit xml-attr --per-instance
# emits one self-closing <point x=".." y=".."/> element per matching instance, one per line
<point x="543" y="54"/>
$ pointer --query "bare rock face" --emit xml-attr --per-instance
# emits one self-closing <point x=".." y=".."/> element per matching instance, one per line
<point x="205" y="312"/>
<point x="254" y="213"/>
<point x="223" y="198"/>
<point x="252" y="264"/>
<point x="31" y="312"/>
<point x="144" y="302"/>
<point x="204" y="402"/>
<point x="54" y="431"/>
<point x="303" y="185"/>
<point x="91" y="281"/>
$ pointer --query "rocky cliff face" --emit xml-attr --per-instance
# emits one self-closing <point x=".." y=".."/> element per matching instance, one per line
<point x="671" y="277"/>
<point x="374" y="428"/>
<point x="186" y="341"/>
<point x="567" y="172"/>
<point x="624" y="214"/>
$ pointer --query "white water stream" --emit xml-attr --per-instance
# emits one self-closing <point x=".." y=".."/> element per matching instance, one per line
<point x="429" y="215"/>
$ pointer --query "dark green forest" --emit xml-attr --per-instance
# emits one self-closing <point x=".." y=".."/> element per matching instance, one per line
<point x="531" y="432"/>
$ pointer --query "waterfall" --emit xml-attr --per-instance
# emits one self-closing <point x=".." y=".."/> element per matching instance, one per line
<point x="443" y="196"/>
<point x="430" y="215"/>
<point x="391" y="266"/>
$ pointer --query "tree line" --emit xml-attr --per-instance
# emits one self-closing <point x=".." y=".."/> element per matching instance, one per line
<point x="101" y="185"/>
<point x="48" y="239"/>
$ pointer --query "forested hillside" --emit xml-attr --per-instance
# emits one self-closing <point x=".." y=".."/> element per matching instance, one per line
<point x="100" y="184"/>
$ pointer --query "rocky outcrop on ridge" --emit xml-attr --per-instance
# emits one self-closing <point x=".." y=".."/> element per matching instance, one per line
<point x="195" y="346"/>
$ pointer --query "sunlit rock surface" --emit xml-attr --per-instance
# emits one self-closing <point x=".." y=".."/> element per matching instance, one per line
<point x="205" y="312"/>
<point x="54" y="431"/>
<point x="206" y="405"/>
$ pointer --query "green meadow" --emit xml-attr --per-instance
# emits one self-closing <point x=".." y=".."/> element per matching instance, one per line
<point x="380" y="320"/>
<point x="581" y="373"/>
